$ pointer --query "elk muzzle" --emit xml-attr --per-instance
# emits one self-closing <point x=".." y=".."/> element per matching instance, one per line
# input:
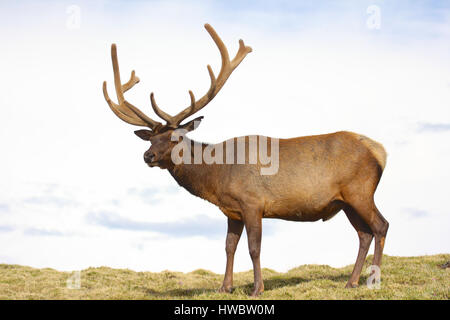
<point x="149" y="156"/>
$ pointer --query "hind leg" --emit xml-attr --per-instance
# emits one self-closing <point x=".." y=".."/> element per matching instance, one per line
<point x="380" y="228"/>
<point x="365" y="238"/>
<point x="358" y="194"/>
<point x="368" y="212"/>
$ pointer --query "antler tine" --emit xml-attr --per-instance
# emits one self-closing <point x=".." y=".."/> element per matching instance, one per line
<point x="219" y="43"/>
<point x="212" y="87"/>
<point x="191" y="94"/>
<point x="117" y="111"/>
<point x="116" y="71"/>
<point x="216" y="84"/>
<point x="125" y="110"/>
<point x="158" y="111"/>
<point x="130" y="84"/>
<point x="240" y="55"/>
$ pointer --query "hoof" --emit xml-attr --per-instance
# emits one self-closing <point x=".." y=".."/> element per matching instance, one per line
<point x="225" y="289"/>
<point x="351" y="285"/>
<point x="256" y="292"/>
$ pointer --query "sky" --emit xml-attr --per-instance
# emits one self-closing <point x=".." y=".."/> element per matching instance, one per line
<point x="75" y="191"/>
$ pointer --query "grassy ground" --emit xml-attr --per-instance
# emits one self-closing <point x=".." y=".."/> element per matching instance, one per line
<point x="402" y="278"/>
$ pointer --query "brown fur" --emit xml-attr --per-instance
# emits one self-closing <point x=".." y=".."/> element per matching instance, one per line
<point x="376" y="148"/>
<point x="318" y="176"/>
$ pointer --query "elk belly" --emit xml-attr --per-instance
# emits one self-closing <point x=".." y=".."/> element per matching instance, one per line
<point x="287" y="209"/>
<point x="295" y="210"/>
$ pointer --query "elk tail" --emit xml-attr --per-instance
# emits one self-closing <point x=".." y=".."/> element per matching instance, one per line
<point x="376" y="149"/>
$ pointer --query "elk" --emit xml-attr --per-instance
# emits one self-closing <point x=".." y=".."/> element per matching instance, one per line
<point x="318" y="176"/>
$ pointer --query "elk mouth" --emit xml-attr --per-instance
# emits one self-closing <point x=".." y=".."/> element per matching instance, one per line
<point x="152" y="164"/>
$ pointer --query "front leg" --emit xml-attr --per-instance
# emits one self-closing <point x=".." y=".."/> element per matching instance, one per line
<point x="253" y="226"/>
<point x="233" y="235"/>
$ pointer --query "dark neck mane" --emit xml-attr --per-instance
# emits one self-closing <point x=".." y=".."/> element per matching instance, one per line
<point x="198" y="179"/>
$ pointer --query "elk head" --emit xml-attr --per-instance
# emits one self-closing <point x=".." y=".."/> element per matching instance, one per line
<point x="160" y="134"/>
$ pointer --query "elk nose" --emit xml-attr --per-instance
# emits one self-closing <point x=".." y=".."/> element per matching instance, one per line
<point x="149" y="156"/>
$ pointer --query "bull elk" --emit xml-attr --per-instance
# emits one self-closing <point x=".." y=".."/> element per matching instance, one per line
<point x="317" y="176"/>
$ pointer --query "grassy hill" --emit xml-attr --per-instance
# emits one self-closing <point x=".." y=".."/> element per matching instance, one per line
<point x="402" y="278"/>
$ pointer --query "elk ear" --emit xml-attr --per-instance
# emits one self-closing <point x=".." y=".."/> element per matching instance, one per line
<point x="144" y="134"/>
<point x="191" y="125"/>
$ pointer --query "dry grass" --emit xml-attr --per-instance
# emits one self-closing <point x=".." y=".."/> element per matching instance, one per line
<point x="402" y="278"/>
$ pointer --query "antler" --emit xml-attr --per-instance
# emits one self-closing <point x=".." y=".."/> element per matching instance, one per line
<point x="125" y="110"/>
<point x="216" y="84"/>
<point x="129" y="113"/>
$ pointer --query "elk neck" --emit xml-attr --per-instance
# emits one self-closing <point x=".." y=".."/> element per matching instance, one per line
<point x="198" y="179"/>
